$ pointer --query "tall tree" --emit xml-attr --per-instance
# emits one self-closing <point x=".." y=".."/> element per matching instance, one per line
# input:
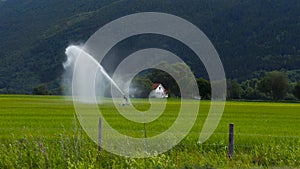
<point x="164" y="72"/>
<point x="140" y="87"/>
<point x="41" y="89"/>
<point x="204" y="88"/>
<point x="234" y="89"/>
<point x="296" y="90"/>
<point x="274" y="84"/>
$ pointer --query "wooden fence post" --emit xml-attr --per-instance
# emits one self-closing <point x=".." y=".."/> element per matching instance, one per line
<point x="145" y="131"/>
<point x="100" y="135"/>
<point x="231" y="141"/>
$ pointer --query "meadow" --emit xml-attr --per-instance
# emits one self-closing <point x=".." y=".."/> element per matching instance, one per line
<point x="43" y="132"/>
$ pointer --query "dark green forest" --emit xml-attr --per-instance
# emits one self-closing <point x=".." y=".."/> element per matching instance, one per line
<point x="252" y="37"/>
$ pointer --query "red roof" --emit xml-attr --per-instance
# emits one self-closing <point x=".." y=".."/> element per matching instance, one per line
<point x="155" y="85"/>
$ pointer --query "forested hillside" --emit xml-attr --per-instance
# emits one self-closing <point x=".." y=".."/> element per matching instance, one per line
<point x="251" y="36"/>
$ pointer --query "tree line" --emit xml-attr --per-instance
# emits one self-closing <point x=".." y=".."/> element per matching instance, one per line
<point x="273" y="85"/>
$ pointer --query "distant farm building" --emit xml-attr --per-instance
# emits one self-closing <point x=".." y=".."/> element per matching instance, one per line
<point x="158" y="91"/>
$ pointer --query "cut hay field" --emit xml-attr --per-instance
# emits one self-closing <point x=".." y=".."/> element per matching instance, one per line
<point x="42" y="132"/>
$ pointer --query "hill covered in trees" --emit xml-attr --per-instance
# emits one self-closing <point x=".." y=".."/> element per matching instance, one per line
<point x="251" y="36"/>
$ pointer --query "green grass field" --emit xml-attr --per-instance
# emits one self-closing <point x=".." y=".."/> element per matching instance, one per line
<point x="42" y="132"/>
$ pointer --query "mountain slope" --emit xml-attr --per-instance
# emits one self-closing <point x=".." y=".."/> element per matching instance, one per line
<point x="250" y="35"/>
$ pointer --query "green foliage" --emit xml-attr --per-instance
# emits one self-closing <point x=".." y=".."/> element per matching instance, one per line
<point x="204" y="88"/>
<point x="160" y="76"/>
<point x="165" y="74"/>
<point x="274" y="84"/>
<point x="233" y="89"/>
<point x="250" y="90"/>
<point x="140" y="87"/>
<point x="296" y="90"/>
<point x="240" y="31"/>
<point x="41" y="89"/>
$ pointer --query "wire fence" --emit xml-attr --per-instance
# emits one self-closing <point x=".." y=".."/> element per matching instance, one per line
<point x="73" y="145"/>
<point x="70" y="130"/>
<point x="53" y="134"/>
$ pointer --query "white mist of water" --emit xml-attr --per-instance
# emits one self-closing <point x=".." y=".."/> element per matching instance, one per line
<point x="85" y="65"/>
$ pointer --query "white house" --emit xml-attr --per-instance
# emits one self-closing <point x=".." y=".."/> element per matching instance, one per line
<point x="158" y="91"/>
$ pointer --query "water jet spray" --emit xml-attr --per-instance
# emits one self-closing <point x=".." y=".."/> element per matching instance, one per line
<point x="76" y="51"/>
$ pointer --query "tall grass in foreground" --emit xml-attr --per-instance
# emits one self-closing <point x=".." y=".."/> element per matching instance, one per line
<point x="77" y="151"/>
